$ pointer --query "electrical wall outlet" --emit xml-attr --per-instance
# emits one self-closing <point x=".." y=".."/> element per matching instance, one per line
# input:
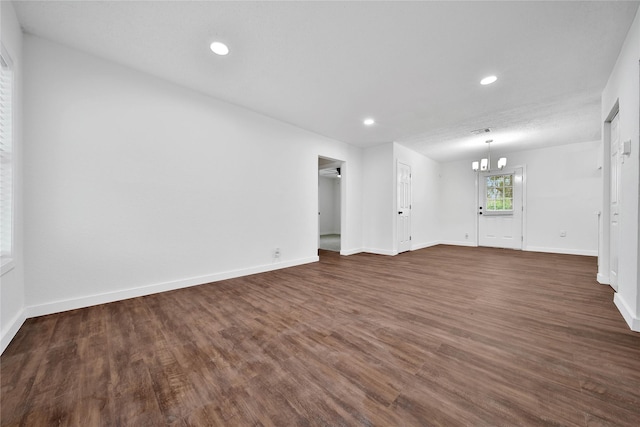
<point x="563" y="233"/>
<point x="276" y="253"/>
<point x="466" y="235"/>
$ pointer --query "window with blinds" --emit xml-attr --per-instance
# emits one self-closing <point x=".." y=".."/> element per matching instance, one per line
<point x="6" y="159"/>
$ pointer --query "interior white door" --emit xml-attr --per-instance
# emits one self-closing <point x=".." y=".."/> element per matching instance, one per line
<point x="500" y="209"/>
<point x="404" y="207"/>
<point x="614" y="198"/>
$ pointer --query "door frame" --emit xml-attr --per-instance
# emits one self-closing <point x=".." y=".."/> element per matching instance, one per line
<point x="604" y="249"/>
<point x="342" y="164"/>
<point x="524" y="204"/>
<point x="396" y="208"/>
<point x="619" y="161"/>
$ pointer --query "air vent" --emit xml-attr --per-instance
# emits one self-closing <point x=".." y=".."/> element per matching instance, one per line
<point x="481" y="131"/>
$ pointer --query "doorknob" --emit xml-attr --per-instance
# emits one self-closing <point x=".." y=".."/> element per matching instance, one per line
<point x="399" y="212"/>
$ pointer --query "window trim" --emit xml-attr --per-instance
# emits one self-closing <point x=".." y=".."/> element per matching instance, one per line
<point x="503" y="212"/>
<point x="7" y="262"/>
<point x="498" y="213"/>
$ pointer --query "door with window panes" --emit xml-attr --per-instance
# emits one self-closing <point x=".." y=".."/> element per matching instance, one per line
<point x="500" y="209"/>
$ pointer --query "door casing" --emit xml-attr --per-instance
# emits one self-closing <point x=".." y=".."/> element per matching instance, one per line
<point x="615" y="170"/>
<point x="403" y="206"/>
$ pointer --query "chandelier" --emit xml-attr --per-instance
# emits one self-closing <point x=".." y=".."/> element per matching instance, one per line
<point x="484" y="165"/>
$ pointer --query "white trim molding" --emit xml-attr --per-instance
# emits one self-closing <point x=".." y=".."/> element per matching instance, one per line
<point x="377" y="251"/>
<point x="627" y="314"/>
<point x="585" y="252"/>
<point x="458" y="243"/>
<point x="90" y="300"/>
<point x="418" y="246"/>
<point x="351" y="251"/>
<point x="7" y="265"/>
<point x="10" y="332"/>
<point x="602" y="279"/>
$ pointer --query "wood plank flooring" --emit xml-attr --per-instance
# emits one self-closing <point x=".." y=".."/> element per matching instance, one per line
<point x="440" y="336"/>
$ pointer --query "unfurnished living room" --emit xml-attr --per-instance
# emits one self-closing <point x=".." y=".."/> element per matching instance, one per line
<point x="329" y="213"/>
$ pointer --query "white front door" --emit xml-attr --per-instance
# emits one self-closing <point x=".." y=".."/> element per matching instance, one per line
<point x="614" y="229"/>
<point x="404" y="207"/>
<point x="500" y="209"/>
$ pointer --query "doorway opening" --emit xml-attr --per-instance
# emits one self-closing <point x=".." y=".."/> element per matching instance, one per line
<point x="615" y="181"/>
<point x="330" y="188"/>
<point x="608" y="245"/>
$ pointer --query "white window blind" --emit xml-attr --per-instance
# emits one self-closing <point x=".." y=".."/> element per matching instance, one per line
<point x="6" y="158"/>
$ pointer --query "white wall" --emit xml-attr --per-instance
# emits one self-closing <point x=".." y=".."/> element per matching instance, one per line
<point x="425" y="183"/>
<point x="12" y="292"/>
<point x="379" y="198"/>
<point x="135" y="185"/>
<point x="351" y="195"/>
<point x="457" y="206"/>
<point x="329" y="199"/>
<point x="623" y="88"/>
<point x="378" y="201"/>
<point x="562" y="193"/>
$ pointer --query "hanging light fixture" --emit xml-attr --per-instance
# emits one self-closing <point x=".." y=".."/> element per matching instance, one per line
<point x="484" y="165"/>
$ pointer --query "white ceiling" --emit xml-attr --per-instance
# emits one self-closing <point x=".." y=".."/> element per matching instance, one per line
<point x="413" y="66"/>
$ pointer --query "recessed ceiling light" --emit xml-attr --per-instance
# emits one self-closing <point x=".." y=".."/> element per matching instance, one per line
<point x="369" y="121"/>
<point x="488" y="80"/>
<point x="219" y="48"/>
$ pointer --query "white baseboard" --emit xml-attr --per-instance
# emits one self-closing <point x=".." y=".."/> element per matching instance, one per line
<point x="457" y="243"/>
<point x="351" y="251"/>
<point x="418" y="246"/>
<point x="380" y="251"/>
<point x="473" y="244"/>
<point x="528" y="248"/>
<point x="602" y="279"/>
<point x="90" y="300"/>
<point x="564" y="251"/>
<point x="11" y="331"/>
<point x="632" y="320"/>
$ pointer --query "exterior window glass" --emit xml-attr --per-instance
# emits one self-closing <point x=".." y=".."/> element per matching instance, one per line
<point x="499" y="193"/>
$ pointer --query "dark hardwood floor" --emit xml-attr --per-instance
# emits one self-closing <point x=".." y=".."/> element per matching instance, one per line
<point x="440" y="336"/>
